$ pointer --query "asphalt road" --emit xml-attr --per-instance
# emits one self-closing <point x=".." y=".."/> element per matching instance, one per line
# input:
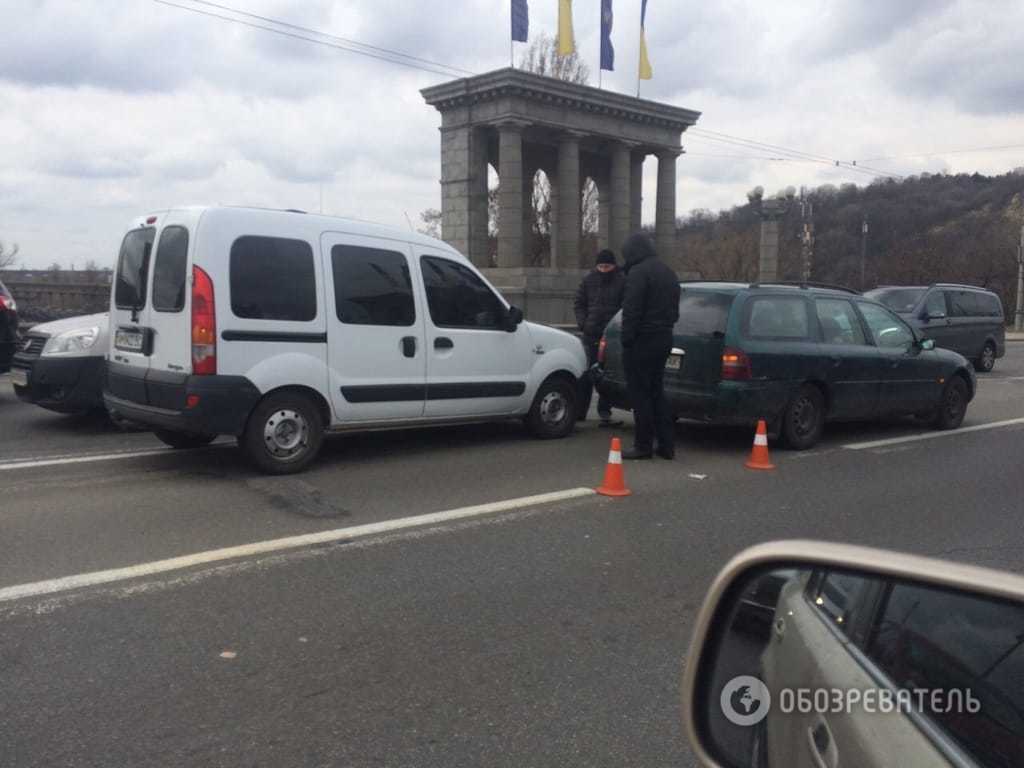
<point x="550" y="634"/>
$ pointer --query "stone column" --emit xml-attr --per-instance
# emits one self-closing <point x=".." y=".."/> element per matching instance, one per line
<point x="618" y="229"/>
<point x="569" y="219"/>
<point x="604" y="213"/>
<point x="479" y="167"/>
<point x="636" y="189"/>
<point x="768" y="263"/>
<point x="510" y="195"/>
<point x="456" y="183"/>
<point x="665" y="219"/>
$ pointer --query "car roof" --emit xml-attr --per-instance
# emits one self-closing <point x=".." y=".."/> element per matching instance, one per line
<point x="312" y="224"/>
<point x="780" y="287"/>
<point x="958" y="286"/>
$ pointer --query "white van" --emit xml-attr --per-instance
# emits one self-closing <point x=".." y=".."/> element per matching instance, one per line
<point x="277" y="326"/>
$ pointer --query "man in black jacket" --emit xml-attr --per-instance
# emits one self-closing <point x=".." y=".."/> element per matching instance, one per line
<point x="650" y="310"/>
<point x="598" y="298"/>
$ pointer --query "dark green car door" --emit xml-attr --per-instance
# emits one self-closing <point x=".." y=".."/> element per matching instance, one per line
<point x="854" y="370"/>
<point x="910" y="377"/>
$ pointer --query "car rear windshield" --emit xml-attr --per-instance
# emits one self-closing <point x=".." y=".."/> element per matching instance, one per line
<point x="897" y="299"/>
<point x="133" y="268"/>
<point x="703" y="313"/>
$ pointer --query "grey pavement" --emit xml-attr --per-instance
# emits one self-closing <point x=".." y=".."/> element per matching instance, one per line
<point x="553" y="635"/>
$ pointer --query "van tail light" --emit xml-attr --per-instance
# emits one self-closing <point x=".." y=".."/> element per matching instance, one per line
<point x="602" y="347"/>
<point x="735" y="365"/>
<point x="204" y="325"/>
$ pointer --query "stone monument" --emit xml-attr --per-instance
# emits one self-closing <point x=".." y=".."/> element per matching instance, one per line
<point x="519" y="122"/>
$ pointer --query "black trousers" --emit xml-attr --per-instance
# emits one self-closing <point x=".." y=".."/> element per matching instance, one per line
<point x="644" y="362"/>
<point x="586" y="386"/>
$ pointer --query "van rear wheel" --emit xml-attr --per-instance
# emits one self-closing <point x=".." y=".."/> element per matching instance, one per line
<point x="284" y="434"/>
<point x="183" y="440"/>
<point x="986" y="361"/>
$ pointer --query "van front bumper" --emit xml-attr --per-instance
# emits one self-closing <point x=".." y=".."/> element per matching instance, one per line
<point x="61" y="384"/>
<point x="220" y="404"/>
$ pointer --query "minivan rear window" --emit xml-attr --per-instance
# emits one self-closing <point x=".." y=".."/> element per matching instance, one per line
<point x="272" y="279"/>
<point x="170" y="269"/>
<point x="702" y="313"/>
<point x="777" y="317"/>
<point x="133" y="268"/>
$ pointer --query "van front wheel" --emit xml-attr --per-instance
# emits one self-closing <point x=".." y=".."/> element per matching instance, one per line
<point x="553" y="413"/>
<point x="284" y="434"/>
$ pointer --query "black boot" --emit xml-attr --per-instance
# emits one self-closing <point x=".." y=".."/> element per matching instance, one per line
<point x="636" y="453"/>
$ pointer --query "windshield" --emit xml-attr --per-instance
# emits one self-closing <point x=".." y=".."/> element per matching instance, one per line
<point x="133" y="269"/>
<point x="897" y="299"/>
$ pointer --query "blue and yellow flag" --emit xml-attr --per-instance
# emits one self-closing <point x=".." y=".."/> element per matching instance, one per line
<point x="566" y="39"/>
<point x="646" y="73"/>
<point x="607" y="50"/>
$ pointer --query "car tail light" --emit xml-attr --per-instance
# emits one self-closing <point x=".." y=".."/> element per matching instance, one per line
<point x="602" y="347"/>
<point x="6" y="302"/>
<point x="204" y="325"/>
<point x="735" y="365"/>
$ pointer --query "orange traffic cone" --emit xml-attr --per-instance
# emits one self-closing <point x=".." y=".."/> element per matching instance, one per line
<point x="614" y="482"/>
<point x="759" y="453"/>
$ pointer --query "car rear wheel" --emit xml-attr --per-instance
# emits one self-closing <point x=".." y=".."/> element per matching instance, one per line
<point x="804" y="418"/>
<point x="553" y="412"/>
<point x="953" y="405"/>
<point x="284" y="434"/>
<point x="986" y="361"/>
<point x="183" y="440"/>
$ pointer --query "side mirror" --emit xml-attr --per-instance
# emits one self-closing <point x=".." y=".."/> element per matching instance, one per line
<point x="847" y="653"/>
<point x="927" y="344"/>
<point x="933" y="316"/>
<point x="513" y="318"/>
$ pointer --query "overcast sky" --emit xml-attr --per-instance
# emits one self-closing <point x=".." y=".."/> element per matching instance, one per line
<point x="110" y="108"/>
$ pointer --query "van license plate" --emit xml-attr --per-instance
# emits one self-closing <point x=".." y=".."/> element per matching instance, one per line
<point x="19" y="376"/>
<point x="129" y="341"/>
<point x="674" y="362"/>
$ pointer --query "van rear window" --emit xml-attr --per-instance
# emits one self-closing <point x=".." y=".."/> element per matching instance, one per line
<point x="777" y="317"/>
<point x="133" y="268"/>
<point x="272" y="279"/>
<point x="169" y="270"/>
<point x="702" y="313"/>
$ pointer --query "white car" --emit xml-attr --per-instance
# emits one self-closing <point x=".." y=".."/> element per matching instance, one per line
<point x="277" y="326"/>
<point x="60" y="365"/>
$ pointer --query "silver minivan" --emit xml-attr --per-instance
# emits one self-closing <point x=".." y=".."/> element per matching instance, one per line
<point x="963" y="318"/>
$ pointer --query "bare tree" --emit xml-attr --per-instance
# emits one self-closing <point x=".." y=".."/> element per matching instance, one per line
<point x="91" y="265"/>
<point x="542" y="58"/>
<point x="8" y="255"/>
<point x="431" y="219"/>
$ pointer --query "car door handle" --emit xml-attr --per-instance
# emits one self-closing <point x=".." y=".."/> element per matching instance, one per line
<point x="409" y="346"/>
<point x="443" y="342"/>
<point x="823" y="748"/>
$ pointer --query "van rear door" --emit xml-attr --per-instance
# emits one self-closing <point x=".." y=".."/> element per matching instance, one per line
<point x="131" y="336"/>
<point x="700" y="333"/>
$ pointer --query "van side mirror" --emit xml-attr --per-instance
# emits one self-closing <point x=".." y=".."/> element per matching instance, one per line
<point x="906" y="641"/>
<point x="513" y="318"/>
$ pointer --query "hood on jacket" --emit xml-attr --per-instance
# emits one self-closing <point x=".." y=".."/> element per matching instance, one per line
<point x="638" y="247"/>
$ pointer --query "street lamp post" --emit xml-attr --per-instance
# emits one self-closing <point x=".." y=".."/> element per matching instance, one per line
<point x="1018" y="318"/>
<point x="863" y="249"/>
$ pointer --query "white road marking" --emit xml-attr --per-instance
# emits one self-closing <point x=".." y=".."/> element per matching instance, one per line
<point x="932" y="435"/>
<point x="66" y="583"/>
<point x="85" y="458"/>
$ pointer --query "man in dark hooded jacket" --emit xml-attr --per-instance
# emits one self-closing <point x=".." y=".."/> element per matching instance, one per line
<point x="598" y="299"/>
<point x="650" y="310"/>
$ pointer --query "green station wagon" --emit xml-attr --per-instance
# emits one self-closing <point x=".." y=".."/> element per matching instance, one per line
<point x="797" y="356"/>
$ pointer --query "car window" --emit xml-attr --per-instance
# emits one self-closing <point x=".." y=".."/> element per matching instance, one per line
<point x="932" y="639"/>
<point x="898" y="299"/>
<point x="835" y="595"/>
<point x="838" y="321"/>
<point x="961" y="303"/>
<point x="169" y="270"/>
<point x="133" y="268"/>
<point x="886" y="329"/>
<point x="272" y="279"/>
<point x="372" y="286"/>
<point x="457" y="298"/>
<point x="777" y="317"/>
<point x="702" y="313"/>
<point x="935" y="304"/>
<point x="989" y="305"/>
